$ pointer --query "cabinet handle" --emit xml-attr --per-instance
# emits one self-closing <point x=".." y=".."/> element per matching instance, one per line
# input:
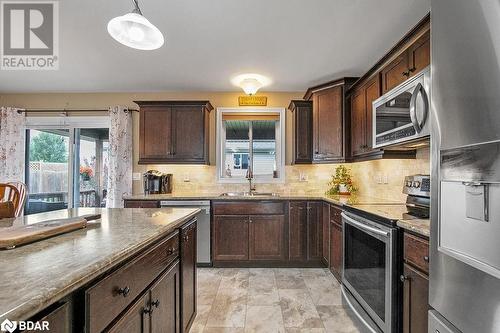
<point x="156" y="303"/>
<point x="407" y="73"/>
<point x="186" y="238"/>
<point x="426" y="258"/>
<point x="250" y="221"/>
<point x="147" y="310"/>
<point x="124" y="291"/>
<point x="412" y="69"/>
<point x="404" y="278"/>
<point x="170" y="252"/>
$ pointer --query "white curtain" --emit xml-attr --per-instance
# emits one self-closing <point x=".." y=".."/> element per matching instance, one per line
<point x="12" y="135"/>
<point x="120" y="156"/>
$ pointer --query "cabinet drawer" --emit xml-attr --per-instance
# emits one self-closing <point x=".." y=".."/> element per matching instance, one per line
<point x="416" y="252"/>
<point x="111" y="295"/>
<point x="248" y="208"/>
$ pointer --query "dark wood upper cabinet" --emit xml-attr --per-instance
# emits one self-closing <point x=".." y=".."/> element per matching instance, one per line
<point x="267" y="237"/>
<point x="174" y="132"/>
<point x="419" y="54"/>
<point x="330" y="123"/>
<point x="188" y="274"/>
<point x="409" y="58"/>
<point x="362" y="117"/>
<point x="302" y="131"/>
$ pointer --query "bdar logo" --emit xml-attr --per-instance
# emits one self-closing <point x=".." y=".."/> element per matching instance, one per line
<point x="8" y="326"/>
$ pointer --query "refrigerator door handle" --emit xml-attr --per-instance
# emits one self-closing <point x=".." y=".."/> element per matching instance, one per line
<point x="418" y="125"/>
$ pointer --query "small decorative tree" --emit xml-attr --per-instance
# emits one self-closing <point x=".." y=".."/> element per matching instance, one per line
<point x="341" y="182"/>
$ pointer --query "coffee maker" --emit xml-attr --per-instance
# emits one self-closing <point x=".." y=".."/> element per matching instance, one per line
<point x="156" y="182"/>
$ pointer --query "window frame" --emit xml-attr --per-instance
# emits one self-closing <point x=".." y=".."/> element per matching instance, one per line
<point x="280" y="144"/>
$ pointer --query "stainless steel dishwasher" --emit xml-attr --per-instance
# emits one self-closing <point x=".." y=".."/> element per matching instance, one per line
<point x="203" y="233"/>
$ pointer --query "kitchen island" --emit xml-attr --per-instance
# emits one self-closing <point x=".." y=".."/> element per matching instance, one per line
<point x="99" y="272"/>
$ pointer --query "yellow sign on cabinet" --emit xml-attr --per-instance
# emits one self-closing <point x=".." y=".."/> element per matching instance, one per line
<point x="252" y="100"/>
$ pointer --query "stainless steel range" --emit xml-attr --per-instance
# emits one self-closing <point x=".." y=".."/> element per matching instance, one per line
<point x="372" y="256"/>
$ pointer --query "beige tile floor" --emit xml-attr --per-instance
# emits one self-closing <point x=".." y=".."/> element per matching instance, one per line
<point x="266" y="300"/>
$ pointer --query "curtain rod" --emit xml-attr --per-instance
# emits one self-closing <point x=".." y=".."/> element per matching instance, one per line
<point x="65" y="111"/>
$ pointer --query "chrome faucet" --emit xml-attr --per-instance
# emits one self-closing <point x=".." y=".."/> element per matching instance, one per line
<point x="249" y="176"/>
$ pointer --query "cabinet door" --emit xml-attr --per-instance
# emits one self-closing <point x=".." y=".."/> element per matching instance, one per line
<point x="303" y="135"/>
<point x="164" y="303"/>
<point x="372" y="92"/>
<point x="415" y="301"/>
<point x="188" y="127"/>
<point x="358" y="122"/>
<point x="328" y="124"/>
<point x="314" y="231"/>
<point x="325" y="221"/>
<point x="395" y="72"/>
<point x="230" y="237"/>
<point x="188" y="273"/>
<point x="419" y="54"/>
<point x="298" y="230"/>
<point x="336" y="250"/>
<point x="267" y="237"/>
<point x="155" y="134"/>
<point x="135" y="319"/>
<point x="58" y="319"/>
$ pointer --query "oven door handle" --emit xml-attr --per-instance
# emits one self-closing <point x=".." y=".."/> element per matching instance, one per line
<point x="363" y="226"/>
<point x="419" y="89"/>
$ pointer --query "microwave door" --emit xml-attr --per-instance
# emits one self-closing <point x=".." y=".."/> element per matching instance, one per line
<point x="419" y="107"/>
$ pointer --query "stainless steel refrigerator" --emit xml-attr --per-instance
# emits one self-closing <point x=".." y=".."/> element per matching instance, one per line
<point x="465" y="212"/>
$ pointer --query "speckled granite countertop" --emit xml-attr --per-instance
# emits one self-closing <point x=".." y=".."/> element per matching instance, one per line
<point x="335" y="199"/>
<point x="35" y="276"/>
<point x="419" y="226"/>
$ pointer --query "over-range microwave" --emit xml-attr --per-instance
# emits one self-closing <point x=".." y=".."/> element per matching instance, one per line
<point x="401" y="116"/>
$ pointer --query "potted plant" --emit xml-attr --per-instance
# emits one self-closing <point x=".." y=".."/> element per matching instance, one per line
<point x="86" y="172"/>
<point x="341" y="182"/>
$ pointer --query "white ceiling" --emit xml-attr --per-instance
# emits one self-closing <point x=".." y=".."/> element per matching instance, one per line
<point x="298" y="43"/>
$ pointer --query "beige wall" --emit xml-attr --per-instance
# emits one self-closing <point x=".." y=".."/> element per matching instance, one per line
<point x="203" y="178"/>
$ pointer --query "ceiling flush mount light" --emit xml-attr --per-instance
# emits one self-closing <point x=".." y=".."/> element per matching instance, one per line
<point x="251" y="83"/>
<point x="135" y="31"/>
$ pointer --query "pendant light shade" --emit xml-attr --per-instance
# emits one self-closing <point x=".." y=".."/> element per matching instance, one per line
<point x="135" y="31"/>
<point x="250" y="83"/>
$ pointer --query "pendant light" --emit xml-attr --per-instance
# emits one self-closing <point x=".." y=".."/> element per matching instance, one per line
<point x="250" y="83"/>
<point x="135" y="31"/>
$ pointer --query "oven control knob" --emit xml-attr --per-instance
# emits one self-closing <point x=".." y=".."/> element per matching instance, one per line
<point x="416" y="184"/>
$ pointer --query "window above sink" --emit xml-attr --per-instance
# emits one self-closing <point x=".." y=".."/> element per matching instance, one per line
<point x="250" y="141"/>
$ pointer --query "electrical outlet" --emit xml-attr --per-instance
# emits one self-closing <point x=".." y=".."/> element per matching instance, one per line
<point x="386" y="179"/>
<point x="136" y="176"/>
<point x="186" y="178"/>
<point x="303" y="177"/>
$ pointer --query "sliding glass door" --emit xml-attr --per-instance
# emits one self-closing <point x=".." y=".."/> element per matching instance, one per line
<point x="66" y="166"/>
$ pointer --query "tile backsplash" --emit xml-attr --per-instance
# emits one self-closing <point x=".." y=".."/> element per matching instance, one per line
<point x="379" y="178"/>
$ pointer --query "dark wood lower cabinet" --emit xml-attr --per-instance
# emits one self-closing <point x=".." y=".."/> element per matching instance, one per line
<point x="298" y="230"/>
<point x="188" y="273"/>
<point x="325" y="225"/>
<point x="415" y="300"/>
<point x="230" y="238"/>
<point x="164" y="303"/>
<point x="134" y="320"/>
<point x="314" y="231"/>
<point x="58" y="319"/>
<point x="267" y="237"/>
<point x="336" y="254"/>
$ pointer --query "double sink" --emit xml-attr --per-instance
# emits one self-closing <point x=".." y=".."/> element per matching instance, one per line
<point x="249" y="194"/>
